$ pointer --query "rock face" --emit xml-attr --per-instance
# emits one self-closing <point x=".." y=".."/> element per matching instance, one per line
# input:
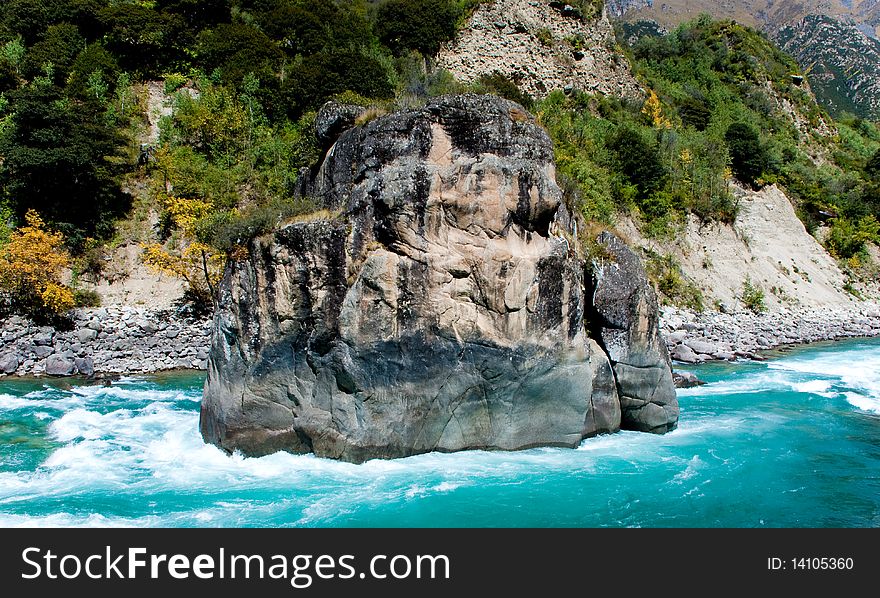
<point x="626" y="320"/>
<point x="541" y="45"/>
<point x="443" y="309"/>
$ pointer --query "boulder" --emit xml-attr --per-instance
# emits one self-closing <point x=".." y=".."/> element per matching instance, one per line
<point x="625" y="317"/>
<point x="701" y="346"/>
<point x="684" y="354"/>
<point x="9" y="363"/>
<point x="677" y="337"/>
<point x="444" y="309"/>
<point x="85" y="366"/>
<point x="42" y="351"/>
<point x="686" y="380"/>
<point x="43" y="338"/>
<point x="57" y="365"/>
<point x="334" y="119"/>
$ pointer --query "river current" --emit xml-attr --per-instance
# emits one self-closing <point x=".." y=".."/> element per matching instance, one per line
<point x="791" y="442"/>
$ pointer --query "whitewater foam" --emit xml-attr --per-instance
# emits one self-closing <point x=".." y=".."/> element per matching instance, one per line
<point x="854" y="373"/>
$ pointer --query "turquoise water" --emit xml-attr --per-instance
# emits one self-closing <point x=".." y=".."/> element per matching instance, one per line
<point x="794" y="442"/>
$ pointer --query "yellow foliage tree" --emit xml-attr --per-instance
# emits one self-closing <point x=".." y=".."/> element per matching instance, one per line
<point x="654" y="111"/>
<point x="198" y="264"/>
<point x="31" y="264"/>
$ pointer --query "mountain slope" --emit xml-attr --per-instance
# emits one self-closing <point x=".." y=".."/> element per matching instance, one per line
<point x="837" y="41"/>
<point x="763" y="14"/>
<point x="844" y="64"/>
<point x="540" y="46"/>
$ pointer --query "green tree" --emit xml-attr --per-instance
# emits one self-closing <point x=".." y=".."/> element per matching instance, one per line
<point x="197" y="14"/>
<point x="93" y="58"/>
<point x="637" y="156"/>
<point x="872" y="168"/>
<point x="748" y="156"/>
<point x="421" y="25"/>
<point x="236" y="50"/>
<point x="59" y="46"/>
<point x="59" y="159"/>
<point x="28" y="18"/>
<point x="321" y="76"/>
<point x="141" y="38"/>
<point x="306" y="28"/>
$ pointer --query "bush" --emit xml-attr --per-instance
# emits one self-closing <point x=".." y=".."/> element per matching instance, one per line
<point x="319" y="77"/>
<point x="30" y="271"/>
<point x="753" y="297"/>
<point x="637" y="156"/>
<point x="848" y="238"/>
<point x="872" y="168"/>
<point x="499" y="85"/>
<point x="226" y="231"/>
<point x="86" y="298"/>
<point x="667" y="275"/>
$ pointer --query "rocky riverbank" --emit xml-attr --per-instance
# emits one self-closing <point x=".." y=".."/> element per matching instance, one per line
<point x="111" y="340"/>
<point x="693" y="337"/>
<point x="135" y="340"/>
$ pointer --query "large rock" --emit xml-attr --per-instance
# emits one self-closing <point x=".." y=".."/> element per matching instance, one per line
<point x="334" y="119"/>
<point x="57" y="365"/>
<point x="86" y="335"/>
<point x="85" y="366"/>
<point x="9" y="363"/>
<point x="443" y="310"/>
<point x="626" y="319"/>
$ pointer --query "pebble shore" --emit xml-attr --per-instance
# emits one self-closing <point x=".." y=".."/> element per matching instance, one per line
<point x="102" y="341"/>
<point x="135" y="340"/>
<point x="693" y="337"/>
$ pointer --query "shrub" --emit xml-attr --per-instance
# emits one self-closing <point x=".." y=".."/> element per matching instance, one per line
<point x="637" y="155"/>
<point x="753" y="297"/>
<point x="86" y="298"/>
<point x="544" y="36"/>
<point x="673" y="285"/>
<point x="848" y="238"/>
<point x="872" y="168"/>
<point x="30" y="271"/>
<point x="226" y="231"/>
<point x="197" y="264"/>
<point x="500" y="85"/>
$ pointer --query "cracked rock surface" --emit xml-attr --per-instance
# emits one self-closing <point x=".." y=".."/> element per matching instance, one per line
<point x="444" y="308"/>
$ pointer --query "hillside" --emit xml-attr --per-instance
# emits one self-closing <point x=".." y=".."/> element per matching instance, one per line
<point x="837" y="42"/>
<point x="728" y="117"/>
<point x="843" y="63"/>
<point x="144" y="146"/>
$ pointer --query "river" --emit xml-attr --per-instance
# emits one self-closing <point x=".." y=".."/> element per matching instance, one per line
<point x="791" y="442"/>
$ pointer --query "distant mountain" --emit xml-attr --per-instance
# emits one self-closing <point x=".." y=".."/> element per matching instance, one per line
<point x="837" y="41"/>
<point x="843" y="64"/>
<point x="763" y="14"/>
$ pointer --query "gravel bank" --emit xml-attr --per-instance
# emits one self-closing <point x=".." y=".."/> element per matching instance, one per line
<point x="111" y="340"/>
<point x="133" y="340"/>
<point x="698" y="337"/>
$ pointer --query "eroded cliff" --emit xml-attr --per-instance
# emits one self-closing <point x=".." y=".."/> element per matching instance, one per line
<point x="445" y="306"/>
